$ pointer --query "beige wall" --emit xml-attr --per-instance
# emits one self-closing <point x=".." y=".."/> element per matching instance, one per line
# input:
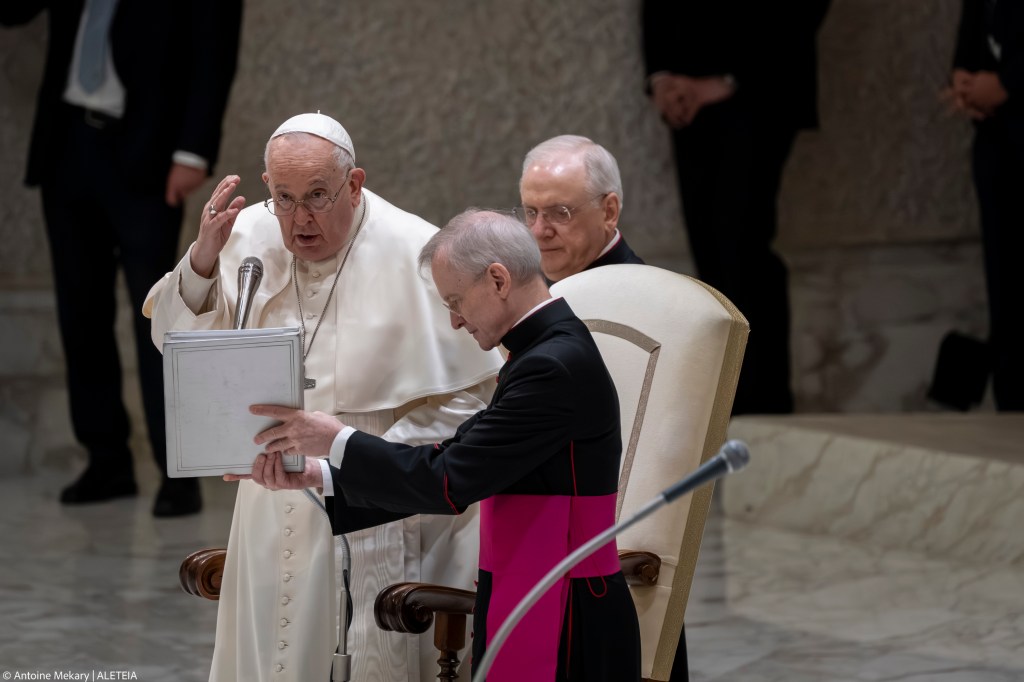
<point x="443" y="99"/>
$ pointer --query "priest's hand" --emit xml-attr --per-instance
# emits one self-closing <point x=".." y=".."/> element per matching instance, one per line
<point x="268" y="471"/>
<point x="299" y="433"/>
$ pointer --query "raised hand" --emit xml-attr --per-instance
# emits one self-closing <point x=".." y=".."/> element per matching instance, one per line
<point x="219" y="215"/>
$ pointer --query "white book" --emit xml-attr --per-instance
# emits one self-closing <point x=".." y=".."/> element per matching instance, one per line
<point x="210" y="380"/>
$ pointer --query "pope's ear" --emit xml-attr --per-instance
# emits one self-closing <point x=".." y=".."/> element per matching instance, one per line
<point x="356" y="177"/>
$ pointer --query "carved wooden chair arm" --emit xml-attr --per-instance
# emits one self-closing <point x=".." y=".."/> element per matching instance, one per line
<point x="641" y="569"/>
<point x="410" y="607"/>
<point x="413" y="607"/>
<point x="201" y="572"/>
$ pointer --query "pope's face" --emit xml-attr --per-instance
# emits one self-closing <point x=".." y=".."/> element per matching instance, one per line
<point x="474" y="303"/>
<point x="567" y="248"/>
<point x="302" y="166"/>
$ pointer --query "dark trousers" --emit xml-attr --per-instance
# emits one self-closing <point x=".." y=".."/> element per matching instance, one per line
<point x="97" y="222"/>
<point x="680" y="665"/>
<point x="998" y="165"/>
<point x="730" y="162"/>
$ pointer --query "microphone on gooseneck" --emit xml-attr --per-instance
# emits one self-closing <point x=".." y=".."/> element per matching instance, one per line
<point x="250" y="272"/>
<point x="732" y="456"/>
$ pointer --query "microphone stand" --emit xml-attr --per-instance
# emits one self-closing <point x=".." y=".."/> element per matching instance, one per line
<point x="731" y="457"/>
<point x="341" y="668"/>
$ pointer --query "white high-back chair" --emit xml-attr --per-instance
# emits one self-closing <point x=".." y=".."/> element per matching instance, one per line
<point x="674" y="347"/>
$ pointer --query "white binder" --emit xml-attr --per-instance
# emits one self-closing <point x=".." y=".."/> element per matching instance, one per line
<point x="210" y="380"/>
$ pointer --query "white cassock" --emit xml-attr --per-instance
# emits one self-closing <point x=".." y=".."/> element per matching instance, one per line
<point x="386" y="361"/>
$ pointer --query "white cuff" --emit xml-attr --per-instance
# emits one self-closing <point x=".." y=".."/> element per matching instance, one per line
<point x="325" y="471"/>
<point x="193" y="287"/>
<point x="657" y="76"/>
<point x="189" y="159"/>
<point x="337" y="452"/>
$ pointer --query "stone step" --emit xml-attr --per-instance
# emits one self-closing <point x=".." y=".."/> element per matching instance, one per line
<point x="947" y="485"/>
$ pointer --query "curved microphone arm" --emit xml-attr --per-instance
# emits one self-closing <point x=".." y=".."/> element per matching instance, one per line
<point x="732" y="456"/>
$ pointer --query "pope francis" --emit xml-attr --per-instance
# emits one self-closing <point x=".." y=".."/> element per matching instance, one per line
<point x="339" y="264"/>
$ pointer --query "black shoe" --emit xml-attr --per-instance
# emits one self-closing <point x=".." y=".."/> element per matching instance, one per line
<point x="178" y="497"/>
<point x="93" y="486"/>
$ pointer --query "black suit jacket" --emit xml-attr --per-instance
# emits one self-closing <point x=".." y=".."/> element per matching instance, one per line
<point x="1004" y="21"/>
<point x="176" y="60"/>
<point x="769" y="47"/>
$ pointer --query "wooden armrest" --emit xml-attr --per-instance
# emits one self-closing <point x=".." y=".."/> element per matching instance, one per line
<point x="640" y="568"/>
<point x="412" y="607"/>
<point x="201" y="572"/>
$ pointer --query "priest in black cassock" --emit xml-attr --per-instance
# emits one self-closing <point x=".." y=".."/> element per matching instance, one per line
<point x="542" y="460"/>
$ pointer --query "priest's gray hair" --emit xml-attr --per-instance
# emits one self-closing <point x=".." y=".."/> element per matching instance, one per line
<point x="341" y="156"/>
<point x="602" y="169"/>
<point x="476" y="238"/>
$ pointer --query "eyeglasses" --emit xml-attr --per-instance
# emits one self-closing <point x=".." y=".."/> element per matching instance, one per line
<point x="318" y="201"/>
<point x="454" y="305"/>
<point x="556" y="215"/>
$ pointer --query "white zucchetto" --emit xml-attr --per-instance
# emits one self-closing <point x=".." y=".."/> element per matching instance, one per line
<point x="320" y="125"/>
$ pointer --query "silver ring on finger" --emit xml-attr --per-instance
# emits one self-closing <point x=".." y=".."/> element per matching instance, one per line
<point x="212" y="210"/>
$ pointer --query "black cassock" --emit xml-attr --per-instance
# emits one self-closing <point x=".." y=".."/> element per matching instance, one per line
<point x="543" y="461"/>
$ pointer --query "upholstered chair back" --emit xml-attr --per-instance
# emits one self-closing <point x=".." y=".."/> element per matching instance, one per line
<point x="674" y="347"/>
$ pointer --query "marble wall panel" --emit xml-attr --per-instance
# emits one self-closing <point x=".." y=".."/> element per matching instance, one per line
<point x="894" y="493"/>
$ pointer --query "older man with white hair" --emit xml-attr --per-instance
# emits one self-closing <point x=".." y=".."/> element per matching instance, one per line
<point x="571" y="194"/>
<point x="340" y="263"/>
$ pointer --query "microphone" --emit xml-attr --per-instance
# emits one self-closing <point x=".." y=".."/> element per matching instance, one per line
<point x="250" y="272"/>
<point x="732" y="456"/>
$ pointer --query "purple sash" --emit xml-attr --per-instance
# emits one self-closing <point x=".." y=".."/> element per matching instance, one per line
<point x="521" y="538"/>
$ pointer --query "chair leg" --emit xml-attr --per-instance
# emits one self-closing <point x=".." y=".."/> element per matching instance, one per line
<point x="449" y="639"/>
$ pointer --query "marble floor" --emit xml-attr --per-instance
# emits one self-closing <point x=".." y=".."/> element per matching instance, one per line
<point x="95" y="589"/>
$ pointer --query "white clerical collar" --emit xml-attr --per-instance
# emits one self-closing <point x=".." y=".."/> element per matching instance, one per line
<point x="535" y="309"/>
<point x="611" y="244"/>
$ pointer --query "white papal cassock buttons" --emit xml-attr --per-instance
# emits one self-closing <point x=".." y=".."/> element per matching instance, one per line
<point x="316" y="274"/>
<point x="285" y="600"/>
<point x="288" y="508"/>
<point x="287" y="531"/>
<point x="284" y="622"/>
<point x="287" y="553"/>
<point x="310" y="294"/>
<point x="287" y="577"/>
<point x="282" y="644"/>
<point x="278" y="668"/>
